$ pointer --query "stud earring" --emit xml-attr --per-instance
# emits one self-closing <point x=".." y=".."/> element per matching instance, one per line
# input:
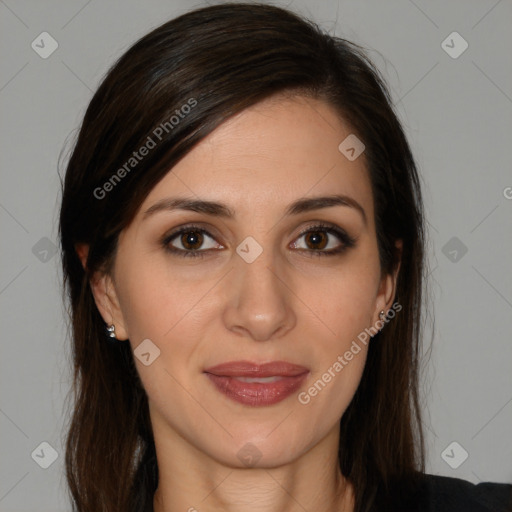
<point x="111" y="330"/>
<point x="382" y="315"/>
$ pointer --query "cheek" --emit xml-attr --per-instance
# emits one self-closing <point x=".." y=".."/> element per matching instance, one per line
<point x="340" y="347"/>
<point x="333" y="384"/>
<point x="173" y="312"/>
<point x="154" y="301"/>
<point x="343" y="302"/>
<point x="343" y="294"/>
<point x="165" y="310"/>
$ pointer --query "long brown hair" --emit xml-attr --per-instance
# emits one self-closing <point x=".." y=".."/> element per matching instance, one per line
<point x="222" y="59"/>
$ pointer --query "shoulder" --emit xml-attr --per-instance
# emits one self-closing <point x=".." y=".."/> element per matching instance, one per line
<point x="448" y="494"/>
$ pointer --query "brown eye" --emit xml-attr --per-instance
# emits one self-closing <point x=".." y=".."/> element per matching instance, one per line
<point x="189" y="241"/>
<point x="316" y="240"/>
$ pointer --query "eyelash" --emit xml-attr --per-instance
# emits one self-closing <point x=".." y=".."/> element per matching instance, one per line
<point x="347" y="241"/>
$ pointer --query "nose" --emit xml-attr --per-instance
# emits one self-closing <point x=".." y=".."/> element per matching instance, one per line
<point x="259" y="304"/>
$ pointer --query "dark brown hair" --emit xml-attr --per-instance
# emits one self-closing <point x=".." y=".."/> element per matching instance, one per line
<point x="222" y="59"/>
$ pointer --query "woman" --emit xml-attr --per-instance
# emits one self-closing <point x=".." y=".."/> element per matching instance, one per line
<point x="242" y="236"/>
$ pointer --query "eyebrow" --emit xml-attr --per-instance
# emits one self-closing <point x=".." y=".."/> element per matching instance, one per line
<point x="305" y="204"/>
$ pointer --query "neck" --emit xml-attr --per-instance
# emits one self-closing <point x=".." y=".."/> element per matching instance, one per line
<point x="190" y="480"/>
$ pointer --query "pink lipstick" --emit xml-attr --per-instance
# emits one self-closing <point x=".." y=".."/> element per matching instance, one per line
<point x="257" y="385"/>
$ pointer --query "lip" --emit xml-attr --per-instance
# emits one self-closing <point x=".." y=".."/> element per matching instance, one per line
<point x="288" y="378"/>
<point x="249" y="369"/>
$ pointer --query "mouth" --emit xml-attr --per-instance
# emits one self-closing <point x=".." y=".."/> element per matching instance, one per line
<point x="257" y="385"/>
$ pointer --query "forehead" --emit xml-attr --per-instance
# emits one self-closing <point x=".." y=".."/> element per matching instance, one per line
<point x="271" y="153"/>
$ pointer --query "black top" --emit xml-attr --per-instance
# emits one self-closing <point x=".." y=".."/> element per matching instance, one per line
<point x="438" y="494"/>
<point x="447" y="494"/>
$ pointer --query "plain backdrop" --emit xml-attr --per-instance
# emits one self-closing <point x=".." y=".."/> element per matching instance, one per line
<point x="456" y="108"/>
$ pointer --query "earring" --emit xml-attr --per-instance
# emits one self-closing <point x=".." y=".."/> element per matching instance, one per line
<point x="111" y="330"/>
<point x="382" y="315"/>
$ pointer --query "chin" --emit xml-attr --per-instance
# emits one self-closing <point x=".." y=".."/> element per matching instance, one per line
<point x="265" y="450"/>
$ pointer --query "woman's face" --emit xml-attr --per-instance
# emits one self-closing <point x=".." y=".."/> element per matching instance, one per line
<point x="259" y="293"/>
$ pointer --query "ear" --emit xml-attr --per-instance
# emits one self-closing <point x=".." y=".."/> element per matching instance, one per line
<point x="387" y="287"/>
<point x="82" y="250"/>
<point x="105" y="295"/>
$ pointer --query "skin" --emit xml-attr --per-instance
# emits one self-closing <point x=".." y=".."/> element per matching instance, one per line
<point x="286" y="305"/>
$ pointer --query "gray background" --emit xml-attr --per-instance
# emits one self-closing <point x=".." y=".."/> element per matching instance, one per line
<point x="457" y="113"/>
